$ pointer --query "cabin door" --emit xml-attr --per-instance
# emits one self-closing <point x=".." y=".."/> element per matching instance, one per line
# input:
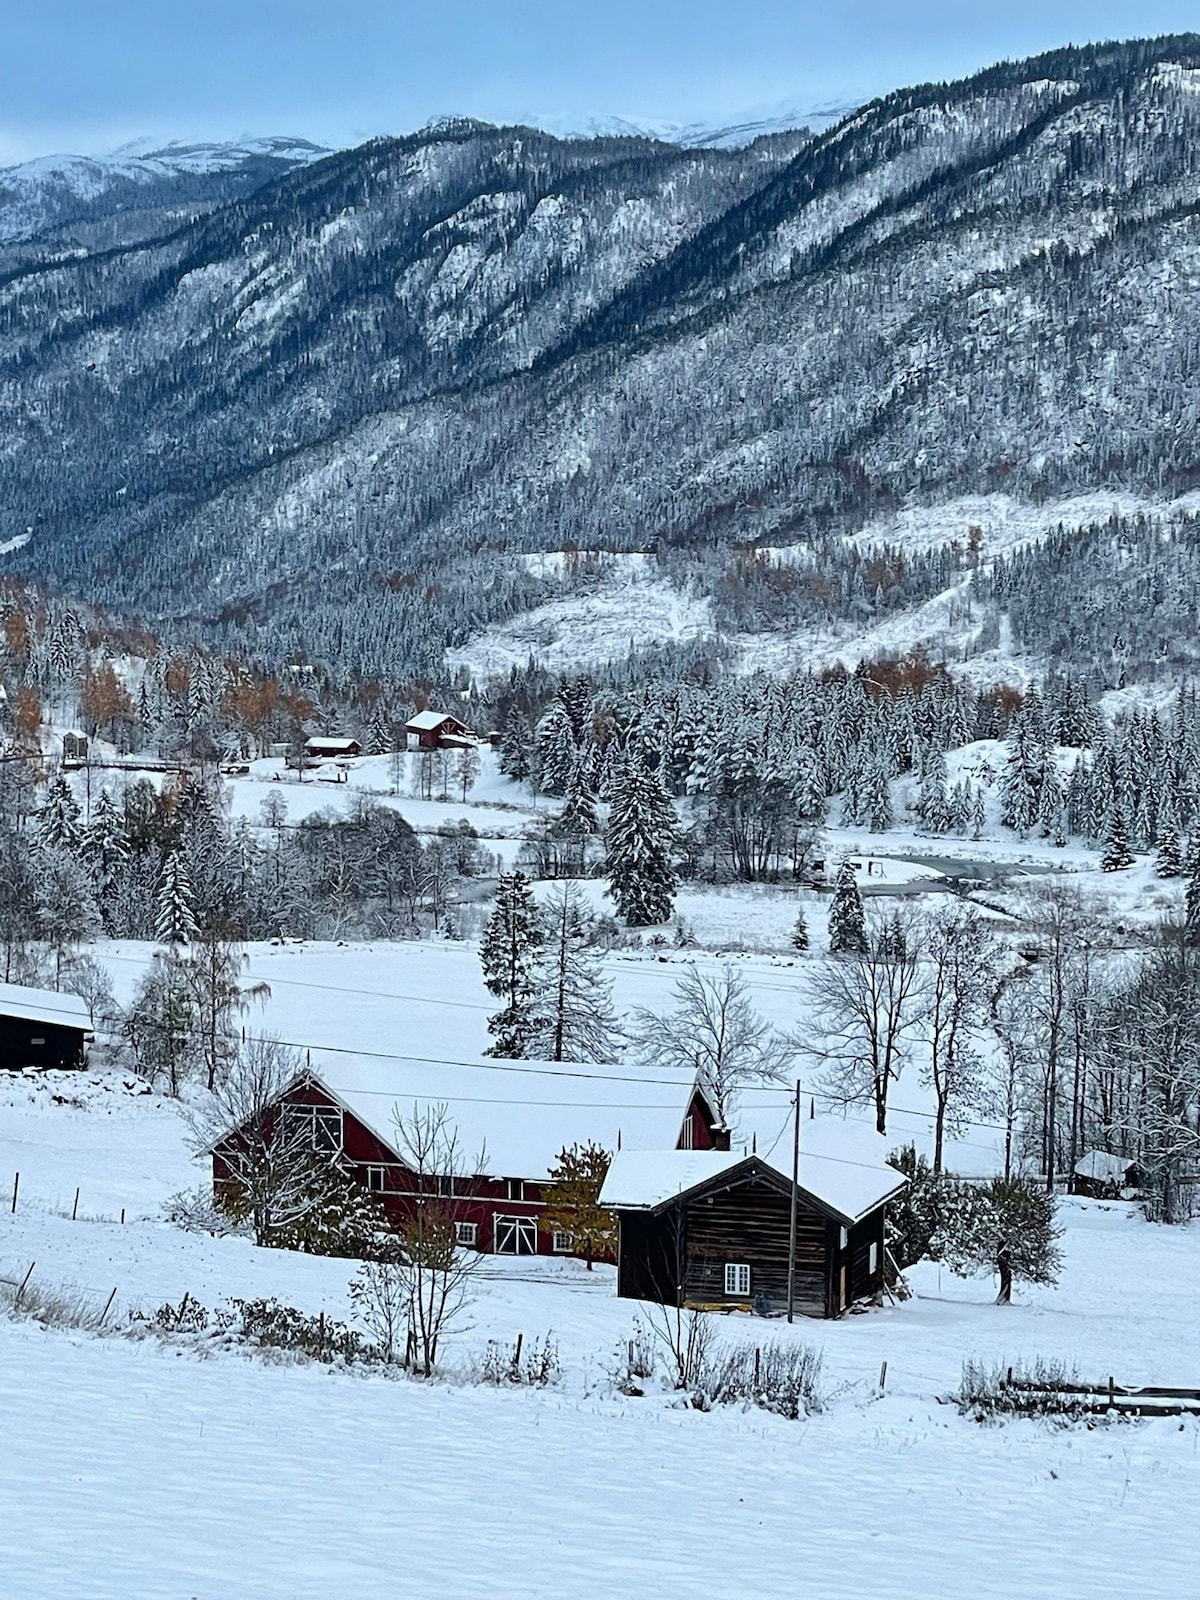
<point x="515" y="1236"/>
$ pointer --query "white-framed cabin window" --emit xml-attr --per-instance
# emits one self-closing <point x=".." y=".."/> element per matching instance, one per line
<point x="843" y="1238"/>
<point x="515" y="1188"/>
<point x="737" y="1278"/>
<point x="466" y="1233"/>
<point x="562" y="1243"/>
<point x="873" y="1264"/>
<point x="312" y="1127"/>
<point x="375" y="1179"/>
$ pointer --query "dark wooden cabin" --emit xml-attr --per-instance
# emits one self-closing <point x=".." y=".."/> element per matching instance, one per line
<point x="712" y="1231"/>
<point x="42" y="1028"/>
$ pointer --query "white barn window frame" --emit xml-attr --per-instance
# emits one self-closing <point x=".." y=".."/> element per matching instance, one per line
<point x="314" y="1127"/>
<point x="466" y="1233"/>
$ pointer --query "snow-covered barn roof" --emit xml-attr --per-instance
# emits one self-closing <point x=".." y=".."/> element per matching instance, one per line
<point x="841" y="1168"/>
<point x="426" y="721"/>
<point x="44" y="1005"/>
<point x="521" y="1113"/>
<point x="1101" y="1167"/>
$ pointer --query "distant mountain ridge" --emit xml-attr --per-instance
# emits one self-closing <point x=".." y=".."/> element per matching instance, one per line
<point x="322" y="412"/>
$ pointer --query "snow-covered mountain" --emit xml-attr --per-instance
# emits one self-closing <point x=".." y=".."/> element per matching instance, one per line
<point x="325" y="414"/>
<point x="56" y="194"/>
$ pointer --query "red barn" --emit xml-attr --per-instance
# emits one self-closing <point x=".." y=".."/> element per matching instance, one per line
<point x="511" y="1120"/>
<point x="436" y="730"/>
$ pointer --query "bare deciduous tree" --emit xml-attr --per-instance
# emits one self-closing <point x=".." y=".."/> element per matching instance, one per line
<point x="273" y="1163"/>
<point x="962" y="974"/>
<point x="715" y="1032"/>
<point x="871" y="1005"/>
<point x="438" y="1271"/>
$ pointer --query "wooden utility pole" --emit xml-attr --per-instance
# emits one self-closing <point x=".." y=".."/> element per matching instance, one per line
<point x="792" y="1219"/>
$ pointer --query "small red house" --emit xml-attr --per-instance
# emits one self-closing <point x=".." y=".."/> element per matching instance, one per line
<point x="511" y="1122"/>
<point x="436" y="730"/>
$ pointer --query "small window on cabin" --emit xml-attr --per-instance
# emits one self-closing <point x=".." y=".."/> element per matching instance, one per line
<point x="466" y="1232"/>
<point x="37" y="1041"/>
<point x="562" y="1243"/>
<point x="687" y="1137"/>
<point x="737" y="1278"/>
<point x="874" y="1259"/>
<point x="516" y="1189"/>
<point x="375" y="1176"/>
<point x="843" y="1238"/>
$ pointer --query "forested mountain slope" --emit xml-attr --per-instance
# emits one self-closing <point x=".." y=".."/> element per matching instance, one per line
<point x="376" y="373"/>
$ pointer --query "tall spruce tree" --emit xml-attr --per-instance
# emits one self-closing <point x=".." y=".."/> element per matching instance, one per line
<point x="509" y="954"/>
<point x="1117" y="854"/>
<point x="176" y="919"/>
<point x="641" y="846"/>
<point x="847" y="919"/>
<point x="576" y="1021"/>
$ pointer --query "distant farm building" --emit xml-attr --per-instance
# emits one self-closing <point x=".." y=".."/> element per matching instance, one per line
<point x="711" y="1229"/>
<point x="1101" y="1176"/>
<point x="74" y="749"/>
<point x="42" y="1028"/>
<point x="320" y="748"/>
<point x="509" y="1136"/>
<point x="436" y="730"/>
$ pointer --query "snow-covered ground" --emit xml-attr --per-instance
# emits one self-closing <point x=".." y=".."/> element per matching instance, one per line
<point x="631" y="608"/>
<point x="135" y="1468"/>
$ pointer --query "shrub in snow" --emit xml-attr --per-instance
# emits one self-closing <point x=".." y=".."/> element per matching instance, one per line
<point x="269" y="1325"/>
<point x="781" y="1377"/>
<point x="534" y="1366"/>
<point x="989" y="1391"/>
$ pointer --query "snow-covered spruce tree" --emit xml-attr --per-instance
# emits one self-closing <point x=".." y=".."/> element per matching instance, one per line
<point x="799" y="939"/>
<point x="577" y="822"/>
<point x="1117" y="854"/>
<point x="847" y="919"/>
<point x="516" y="747"/>
<point x="573" y="1201"/>
<point x="912" y="1218"/>
<point x="176" y="919"/>
<point x="575" y="1021"/>
<point x="58" y="822"/>
<point x="1169" y="862"/>
<point x="1191" y="923"/>
<point x="509" y="952"/>
<point x="640" y="843"/>
<point x="379" y="733"/>
<point x="877" y="797"/>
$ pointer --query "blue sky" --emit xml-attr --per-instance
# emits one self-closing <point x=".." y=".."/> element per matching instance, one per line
<point x="87" y="75"/>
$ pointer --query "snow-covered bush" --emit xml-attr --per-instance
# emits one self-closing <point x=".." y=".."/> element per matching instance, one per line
<point x="534" y="1365"/>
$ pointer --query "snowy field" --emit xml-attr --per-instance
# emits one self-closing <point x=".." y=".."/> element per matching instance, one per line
<point x="130" y="1468"/>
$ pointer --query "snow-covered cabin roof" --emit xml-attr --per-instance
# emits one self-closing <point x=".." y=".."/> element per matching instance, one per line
<point x="1101" y="1167"/>
<point x="841" y="1168"/>
<point x="339" y="747"/>
<point x="44" y="1005"/>
<point x="426" y="721"/>
<point x="521" y="1113"/>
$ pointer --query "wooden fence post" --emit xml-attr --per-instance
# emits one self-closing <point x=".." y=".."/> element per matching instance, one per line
<point x="24" y="1281"/>
<point x="75" y="1207"/>
<point x="883" y="1377"/>
<point x="107" y="1304"/>
<point x="16" y="1186"/>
